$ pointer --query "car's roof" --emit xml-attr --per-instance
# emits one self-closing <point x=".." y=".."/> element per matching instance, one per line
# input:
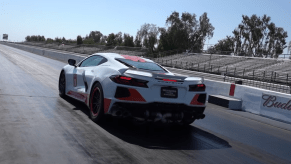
<point x="129" y="57"/>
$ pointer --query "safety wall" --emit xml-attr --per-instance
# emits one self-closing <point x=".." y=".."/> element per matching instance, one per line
<point x="263" y="102"/>
<point x="254" y="100"/>
<point x="54" y="54"/>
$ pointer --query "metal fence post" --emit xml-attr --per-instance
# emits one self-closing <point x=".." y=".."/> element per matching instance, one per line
<point x="198" y="66"/>
<point x="253" y="77"/>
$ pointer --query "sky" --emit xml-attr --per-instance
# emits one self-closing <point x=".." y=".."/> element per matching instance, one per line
<point x="62" y="18"/>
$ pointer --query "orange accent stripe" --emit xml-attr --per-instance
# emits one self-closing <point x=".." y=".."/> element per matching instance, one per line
<point x="194" y="100"/>
<point x="106" y="105"/>
<point x="80" y="96"/>
<point x="232" y="89"/>
<point x="133" y="58"/>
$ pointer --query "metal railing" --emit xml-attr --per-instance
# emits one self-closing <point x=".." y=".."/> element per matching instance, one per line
<point x="270" y="80"/>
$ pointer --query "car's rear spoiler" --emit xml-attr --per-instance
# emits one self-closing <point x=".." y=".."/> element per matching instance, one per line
<point x="156" y="75"/>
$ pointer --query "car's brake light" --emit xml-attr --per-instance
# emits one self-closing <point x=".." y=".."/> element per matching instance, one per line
<point x="125" y="78"/>
<point x="197" y="87"/>
<point x="129" y="81"/>
<point x="169" y="80"/>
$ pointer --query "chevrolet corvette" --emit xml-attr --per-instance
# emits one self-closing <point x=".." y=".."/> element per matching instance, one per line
<point x="133" y="87"/>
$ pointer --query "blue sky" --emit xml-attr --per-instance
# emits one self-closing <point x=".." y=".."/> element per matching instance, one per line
<point x="19" y="18"/>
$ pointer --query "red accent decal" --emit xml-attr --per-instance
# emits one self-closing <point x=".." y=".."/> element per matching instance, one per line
<point x="231" y="91"/>
<point x="80" y="96"/>
<point x="194" y="100"/>
<point x="170" y="80"/>
<point x="133" y="58"/>
<point x="106" y="105"/>
<point x="91" y="102"/>
<point x="134" y="96"/>
<point x="75" y="80"/>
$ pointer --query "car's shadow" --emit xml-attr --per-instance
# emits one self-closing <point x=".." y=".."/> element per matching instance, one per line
<point x="155" y="136"/>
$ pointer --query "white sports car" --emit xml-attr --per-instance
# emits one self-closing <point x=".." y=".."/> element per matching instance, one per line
<point x="132" y="86"/>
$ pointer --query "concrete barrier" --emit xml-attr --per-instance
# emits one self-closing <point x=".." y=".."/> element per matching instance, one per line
<point x="53" y="54"/>
<point x="251" y="97"/>
<point x="217" y="87"/>
<point x="252" y="100"/>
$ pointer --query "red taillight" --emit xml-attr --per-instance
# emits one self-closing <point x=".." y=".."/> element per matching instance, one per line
<point x="125" y="78"/>
<point x="169" y="80"/>
<point x="197" y="87"/>
<point x="129" y="81"/>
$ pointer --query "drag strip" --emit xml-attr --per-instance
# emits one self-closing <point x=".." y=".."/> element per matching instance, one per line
<point x="37" y="126"/>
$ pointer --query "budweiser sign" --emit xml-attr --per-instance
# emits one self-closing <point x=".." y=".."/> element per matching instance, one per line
<point x="271" y="101"/>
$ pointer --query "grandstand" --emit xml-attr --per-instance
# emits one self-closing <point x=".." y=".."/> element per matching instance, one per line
<point x="91" y="49"/>
<point x="262" y="69"/>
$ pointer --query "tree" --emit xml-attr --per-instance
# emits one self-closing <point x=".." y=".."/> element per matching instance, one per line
<point x="118" y="38"/>
<point x="103" y="39"/>
<point x="137" y="41"/>
<point x="27" y="38"/>
<point x="226" y="44"/>
<point x="79" y="40"/>
<point x="289" y="47"/>
<point x="111" y="40"/>
<point x="64" y="39"/>
<point x="49" y="40"/>
<point x="96" y="36"/>
<point x="148" y="35"/>
<point x="257" y="36"/>
<point x="58" y="40"/>
<point x="185" y="32"/>
<point x="88" y="41"/>
<point x="128" y="40"/>
<point x="205" y="30"/>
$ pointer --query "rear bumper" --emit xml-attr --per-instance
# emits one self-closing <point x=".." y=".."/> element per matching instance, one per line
<point x="150" y="111"/>
<point x="158" y="107"/>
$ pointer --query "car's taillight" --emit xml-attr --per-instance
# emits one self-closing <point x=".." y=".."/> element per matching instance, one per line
<point x="129" y="81"/>
<point x="197" y="87"/>
<point x="170" y="80"/>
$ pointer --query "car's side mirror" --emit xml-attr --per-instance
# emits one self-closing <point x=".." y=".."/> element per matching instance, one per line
<point x="72" y="62"/>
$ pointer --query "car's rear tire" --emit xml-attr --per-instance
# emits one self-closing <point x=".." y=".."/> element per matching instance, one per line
<point x="62" y="84"/>
<point x="96" y="103"/>
<point x="188" y="122"/>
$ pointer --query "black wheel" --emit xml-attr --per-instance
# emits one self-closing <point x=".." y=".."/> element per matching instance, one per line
<point x="96" y="103"/>
<point x="62" y="84"/>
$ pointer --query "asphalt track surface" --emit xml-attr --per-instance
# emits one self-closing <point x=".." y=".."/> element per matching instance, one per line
<point x="37" y="126"/>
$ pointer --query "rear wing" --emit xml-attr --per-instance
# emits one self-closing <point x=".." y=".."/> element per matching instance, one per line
<point x="159" y="76"/>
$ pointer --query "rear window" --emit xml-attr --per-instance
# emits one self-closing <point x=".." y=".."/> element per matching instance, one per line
<point x="142" y="65"/>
